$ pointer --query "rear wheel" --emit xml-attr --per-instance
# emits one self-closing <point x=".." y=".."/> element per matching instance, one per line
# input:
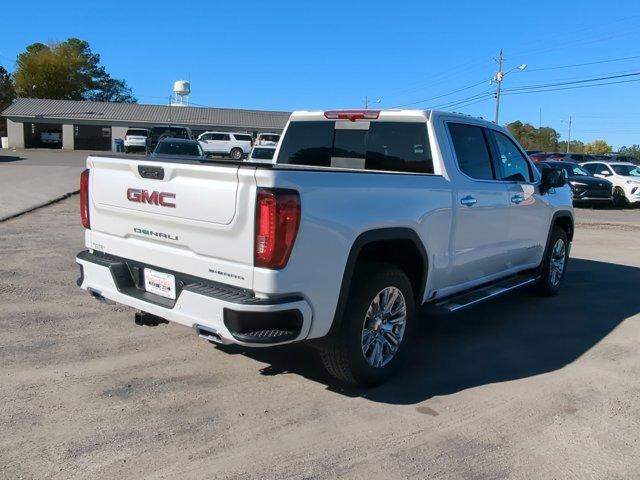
<point x="236" y="153"/>
<point x="374" y="329"/>
<point x="554" y="263"/>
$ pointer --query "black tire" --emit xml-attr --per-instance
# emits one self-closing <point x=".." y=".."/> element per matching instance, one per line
<point x="619" y="198"/>
<point x="343" y="357"/>
<point x="236" y="153"/>
<point x="549" y="284"/>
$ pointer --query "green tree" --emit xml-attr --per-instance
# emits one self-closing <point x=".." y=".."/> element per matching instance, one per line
<point x="632" y="151"/>
<point x="575" y="146"/>
<point x="67" y="70"/>
<point x="598" y="147"/>
<point x="7" y="94"/>
<point x="532" y="138"/>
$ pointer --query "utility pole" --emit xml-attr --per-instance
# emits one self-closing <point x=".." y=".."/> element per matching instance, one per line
<point x="569" y="136"/>
<point x="498" y="78"/>
<point x="540" y="119"/>
<point x="366" y="102"/>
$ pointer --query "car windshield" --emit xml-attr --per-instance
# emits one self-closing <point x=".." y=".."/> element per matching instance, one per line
<point x="575" y="170"/>
<point x="262" y="153"/>
<point x="179" y="148"/>
<point x="627" y="170"/>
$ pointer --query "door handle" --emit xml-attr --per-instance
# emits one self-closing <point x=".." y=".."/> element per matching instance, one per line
<point x="518" y="198"/>
<point x="469" y="201"/>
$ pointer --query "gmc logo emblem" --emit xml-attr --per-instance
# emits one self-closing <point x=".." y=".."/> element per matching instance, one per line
<point x="154" y="198"/>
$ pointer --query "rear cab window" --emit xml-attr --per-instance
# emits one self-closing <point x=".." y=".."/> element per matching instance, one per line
<point x="376" y="145"/>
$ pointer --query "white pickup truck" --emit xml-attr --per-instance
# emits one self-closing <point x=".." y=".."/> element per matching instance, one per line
<point x="364" y="216"/>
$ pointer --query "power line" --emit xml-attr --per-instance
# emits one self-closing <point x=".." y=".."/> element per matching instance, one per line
<point x="573" y="88"/>
<point x="558" y="84"/>
<point x="467" y="87"/>
<point x="558" y="67"/>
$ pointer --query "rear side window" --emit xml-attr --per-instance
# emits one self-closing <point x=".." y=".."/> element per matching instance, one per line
<point x="386" y="146"/>
<point x="511" y="162"/>
<point x="243" y="138"/>
<point x="472" y="151"/>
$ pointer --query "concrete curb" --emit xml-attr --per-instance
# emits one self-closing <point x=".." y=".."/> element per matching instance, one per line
<point x="41" y="205"/>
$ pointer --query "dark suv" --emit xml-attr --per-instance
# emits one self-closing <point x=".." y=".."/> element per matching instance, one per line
<point x="162" y="131"/>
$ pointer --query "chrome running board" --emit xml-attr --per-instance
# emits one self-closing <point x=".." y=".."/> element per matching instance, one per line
<point x="485" y="292"/>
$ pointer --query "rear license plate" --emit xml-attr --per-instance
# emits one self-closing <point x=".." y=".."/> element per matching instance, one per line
<point x="160" y="283"/>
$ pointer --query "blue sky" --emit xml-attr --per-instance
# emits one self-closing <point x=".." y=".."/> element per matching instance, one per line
<point x="309" y="55"/>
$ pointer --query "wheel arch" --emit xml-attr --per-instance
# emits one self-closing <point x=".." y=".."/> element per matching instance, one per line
<point x="369" y="246"/>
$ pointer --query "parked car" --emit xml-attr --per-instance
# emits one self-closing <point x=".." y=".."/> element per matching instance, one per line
<point x="177" y="147"/>
<point x="135" y="139"/>
<point x="586" y="188"/>
<point x="542" y="156"/>
<point x="368" y="215"/>
<point x="161" y="131"/>
<point x="234" y="145"/>
<point x="267" y="139"/>
<point x="51" y="136"/>
<point x="625" y="178"/>
<point x="616" y="157"/>
<point x="262" y="154"/>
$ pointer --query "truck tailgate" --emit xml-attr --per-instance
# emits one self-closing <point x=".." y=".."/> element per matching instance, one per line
<point x="188" y="217"/>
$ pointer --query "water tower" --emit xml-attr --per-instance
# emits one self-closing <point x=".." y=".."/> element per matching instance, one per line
<point x="181" y="91"/>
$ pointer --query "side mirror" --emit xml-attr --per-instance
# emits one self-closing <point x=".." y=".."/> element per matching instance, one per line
<point x="552" y="178"/>
<point x="605" y="173"/>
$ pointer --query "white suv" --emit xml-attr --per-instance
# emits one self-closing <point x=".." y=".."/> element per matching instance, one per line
<point x="235" y="145"/>
<point x="135" y="139"/>
<point x="625" y="177"/>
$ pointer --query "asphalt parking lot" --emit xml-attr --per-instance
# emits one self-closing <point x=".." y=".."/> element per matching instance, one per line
<point x="522" y="387"/>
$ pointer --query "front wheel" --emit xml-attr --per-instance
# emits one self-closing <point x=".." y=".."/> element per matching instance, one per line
<point x="554" y="263"/>
<point x="236" y="153"/>
<point x="619" y="198"/>
<point x="375" y="327"/>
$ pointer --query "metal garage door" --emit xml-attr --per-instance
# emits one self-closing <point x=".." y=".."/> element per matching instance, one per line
<point x="92" y="137"/>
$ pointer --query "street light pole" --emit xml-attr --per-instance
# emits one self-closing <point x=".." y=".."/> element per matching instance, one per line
<point x="569" y="136"/>
<point x="498" y="78"/>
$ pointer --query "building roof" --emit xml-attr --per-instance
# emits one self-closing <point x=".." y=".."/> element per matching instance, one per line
<point x="138" y="113"/>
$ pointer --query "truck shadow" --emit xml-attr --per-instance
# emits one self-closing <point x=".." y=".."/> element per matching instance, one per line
<point x="10" y="158"/>
<point x="517" y="336"/>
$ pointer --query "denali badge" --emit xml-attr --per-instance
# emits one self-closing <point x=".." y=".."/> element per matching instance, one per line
<point x="151" y="233"/>
<point x="153" y="198"/>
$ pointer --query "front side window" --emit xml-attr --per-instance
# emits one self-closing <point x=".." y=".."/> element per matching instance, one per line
<point x="511" y="162"/>
<point x="627" y="170"/>
<point x="205" y="136"/>
<point x="471" y="150"/>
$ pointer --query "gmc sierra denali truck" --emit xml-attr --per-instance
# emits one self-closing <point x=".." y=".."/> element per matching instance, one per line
<point x="364" y="216"/>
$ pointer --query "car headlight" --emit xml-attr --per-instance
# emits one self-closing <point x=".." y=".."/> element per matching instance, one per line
<point x="633" y="182"/>
<point x="579" y="184"/>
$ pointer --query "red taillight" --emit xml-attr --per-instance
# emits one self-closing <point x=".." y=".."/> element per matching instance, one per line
<point x="277" y="221"/>
<point x="352" y="115"/>
<point x="84" y="199"/>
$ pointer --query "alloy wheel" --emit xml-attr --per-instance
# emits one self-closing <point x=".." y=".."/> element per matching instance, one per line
<point x="384" y="326"/>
